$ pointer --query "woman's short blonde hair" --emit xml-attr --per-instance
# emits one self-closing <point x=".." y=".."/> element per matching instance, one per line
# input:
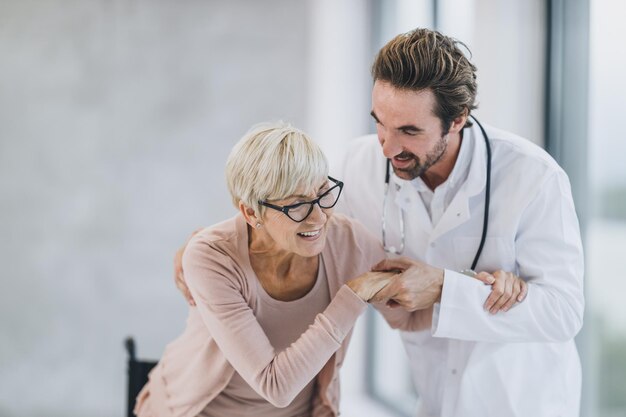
<point x="272" y="162"/>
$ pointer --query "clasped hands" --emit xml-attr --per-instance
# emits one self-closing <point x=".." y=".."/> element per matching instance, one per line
<point x="407" y="283"/>
<point x="415" y="285"/>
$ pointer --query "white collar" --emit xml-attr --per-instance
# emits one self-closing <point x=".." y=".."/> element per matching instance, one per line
<point x="473" y="154"/>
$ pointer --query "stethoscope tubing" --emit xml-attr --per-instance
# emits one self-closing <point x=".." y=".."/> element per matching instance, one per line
<point x="483" y="237"/>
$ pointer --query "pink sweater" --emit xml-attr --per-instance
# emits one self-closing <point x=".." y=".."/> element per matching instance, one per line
<point x="222" y="332"/>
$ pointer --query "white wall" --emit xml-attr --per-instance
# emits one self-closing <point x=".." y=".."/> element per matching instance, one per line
<point x="116" y="118"/>
<point x="338" y="99"/>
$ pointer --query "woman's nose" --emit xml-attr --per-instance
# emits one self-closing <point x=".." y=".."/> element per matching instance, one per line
<point x="317" y="213"/>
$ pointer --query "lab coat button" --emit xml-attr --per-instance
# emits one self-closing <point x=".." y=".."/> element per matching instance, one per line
<point x="453" y="372"/>
<point x="432" y="244"/>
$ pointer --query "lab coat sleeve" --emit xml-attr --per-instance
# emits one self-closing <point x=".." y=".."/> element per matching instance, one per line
<point x="549" y="257"/>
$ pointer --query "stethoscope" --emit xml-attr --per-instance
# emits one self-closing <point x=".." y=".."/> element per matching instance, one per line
<point x="393" y="250"/>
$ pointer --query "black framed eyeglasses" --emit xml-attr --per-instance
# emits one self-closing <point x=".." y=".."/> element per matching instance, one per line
<point x="300" y="211"/>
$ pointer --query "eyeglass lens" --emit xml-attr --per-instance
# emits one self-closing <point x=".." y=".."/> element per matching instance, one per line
<point x="326" y="200"/>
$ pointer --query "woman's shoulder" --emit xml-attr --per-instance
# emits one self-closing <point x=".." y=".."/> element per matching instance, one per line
<point x="216" y="263"/>
<point x="342" y="226"/>
<point x="349" y="236"/>
<point x="350" y="249"/>
<point x="223" y="233"/>
<point x="221" y="246"/>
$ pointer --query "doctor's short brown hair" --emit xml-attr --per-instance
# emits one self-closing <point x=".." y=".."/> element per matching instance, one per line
<point x="424" y="59"/>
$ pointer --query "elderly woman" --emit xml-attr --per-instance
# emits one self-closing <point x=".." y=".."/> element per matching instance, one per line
<point x="278" y="289"/>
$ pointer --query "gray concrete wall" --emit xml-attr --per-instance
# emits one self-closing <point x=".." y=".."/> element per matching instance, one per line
<point x="116" y="118"/>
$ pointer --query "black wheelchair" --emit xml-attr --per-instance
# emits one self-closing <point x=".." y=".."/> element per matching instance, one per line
<point x="137" y="375"/>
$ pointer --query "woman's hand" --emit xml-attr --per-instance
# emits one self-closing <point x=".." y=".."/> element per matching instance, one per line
<point x="367" y="285"/>
<point x="506" y="290"/>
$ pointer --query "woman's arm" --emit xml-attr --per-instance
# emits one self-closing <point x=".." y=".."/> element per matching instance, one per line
<point x="217" y="284"/>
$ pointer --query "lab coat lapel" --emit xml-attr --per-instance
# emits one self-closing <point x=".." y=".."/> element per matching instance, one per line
<point x="458" y="212"/>
<point x="408" y="199"/>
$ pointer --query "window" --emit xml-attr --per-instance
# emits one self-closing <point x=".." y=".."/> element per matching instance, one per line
<point x="606" y="225"/>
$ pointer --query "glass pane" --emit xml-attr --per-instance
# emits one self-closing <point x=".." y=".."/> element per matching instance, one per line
<point x="606" y="233"/>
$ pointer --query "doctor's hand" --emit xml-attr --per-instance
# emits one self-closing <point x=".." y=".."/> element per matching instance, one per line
<point x="179" y="277"/>
<point x="506" y="290"/>
<point x="417" y="285"/>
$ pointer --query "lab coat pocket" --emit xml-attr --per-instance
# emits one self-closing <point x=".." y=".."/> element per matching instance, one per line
<point x="498" y="253"/>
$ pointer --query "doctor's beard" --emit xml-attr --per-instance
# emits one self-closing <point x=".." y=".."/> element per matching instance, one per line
<point x="418" y="169"/>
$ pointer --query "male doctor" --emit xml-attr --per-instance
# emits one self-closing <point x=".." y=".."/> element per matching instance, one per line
<point x="450" y="197"/>
<point x="445" y="172"/>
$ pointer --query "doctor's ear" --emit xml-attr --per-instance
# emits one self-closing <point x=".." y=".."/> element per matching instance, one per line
<point x="458" y="123"/>
<point x="250" y="215"/>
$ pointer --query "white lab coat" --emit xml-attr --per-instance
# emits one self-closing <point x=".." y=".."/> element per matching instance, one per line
<point x="472" y="364"/>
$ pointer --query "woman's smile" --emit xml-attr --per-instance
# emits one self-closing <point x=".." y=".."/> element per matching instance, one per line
<point x="312" y="235"/>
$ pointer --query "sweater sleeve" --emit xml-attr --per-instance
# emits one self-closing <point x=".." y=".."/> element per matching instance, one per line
<point x="217" y="284"/>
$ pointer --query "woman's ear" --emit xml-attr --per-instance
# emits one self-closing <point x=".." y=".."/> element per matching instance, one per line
<point x="249" y="214"/>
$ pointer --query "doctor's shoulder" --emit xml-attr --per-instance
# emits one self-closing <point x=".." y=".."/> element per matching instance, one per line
<point x="363" y="162"/>
<point x="516" y="156"/>
<point x="362" y="169"/>
<point x="363" y="150"/>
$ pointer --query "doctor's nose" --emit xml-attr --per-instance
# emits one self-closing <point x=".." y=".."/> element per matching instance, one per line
<point x="390" y="146"/>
